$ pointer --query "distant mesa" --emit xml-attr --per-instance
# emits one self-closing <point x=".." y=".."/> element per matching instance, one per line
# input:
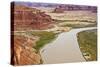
<point x="66" y="7"/>
<point x="59" y="9"/>
<point x="62" y="8"/>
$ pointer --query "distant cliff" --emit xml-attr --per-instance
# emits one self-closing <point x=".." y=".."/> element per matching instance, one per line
<point x="62" y="8"/>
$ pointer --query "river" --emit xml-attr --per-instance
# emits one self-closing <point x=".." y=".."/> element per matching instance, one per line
<point x="64" y="48"/>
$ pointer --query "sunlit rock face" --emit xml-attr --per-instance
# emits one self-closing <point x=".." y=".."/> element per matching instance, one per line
<point x="26" y="18"/>
<point x="22" y="51"/>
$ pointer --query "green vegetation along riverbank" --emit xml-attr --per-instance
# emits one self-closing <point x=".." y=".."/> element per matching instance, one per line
<point x="88" y="44"/>
<point x="45" y="37"/>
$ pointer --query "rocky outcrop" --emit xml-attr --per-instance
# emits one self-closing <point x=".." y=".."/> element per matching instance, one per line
<point x="23" y="52"/>
<point x="26" y="18"/>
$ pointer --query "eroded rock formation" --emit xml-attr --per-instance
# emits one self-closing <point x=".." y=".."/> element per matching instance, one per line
<point x="26" y="18"/>
<point x="24" y="52"/>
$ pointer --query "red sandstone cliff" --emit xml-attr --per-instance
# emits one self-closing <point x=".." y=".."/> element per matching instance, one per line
<point x="23" y="52"/>
<point x="26" y="18"/>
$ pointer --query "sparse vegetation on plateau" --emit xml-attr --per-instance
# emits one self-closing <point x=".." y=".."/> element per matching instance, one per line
<point x="88" y="44"/>
<point x="79" y="25"/>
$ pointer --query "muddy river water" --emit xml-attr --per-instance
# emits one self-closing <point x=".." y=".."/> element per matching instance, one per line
<point x="64" y="48"/>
